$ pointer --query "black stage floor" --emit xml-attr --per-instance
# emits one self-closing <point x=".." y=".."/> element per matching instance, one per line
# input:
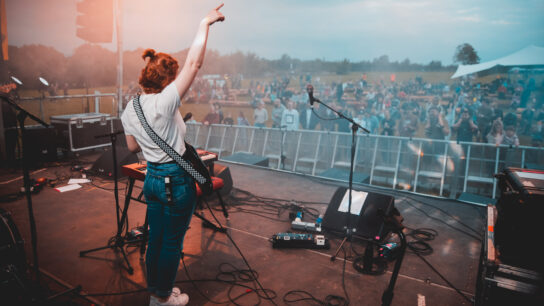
<point x="85" y="218"/>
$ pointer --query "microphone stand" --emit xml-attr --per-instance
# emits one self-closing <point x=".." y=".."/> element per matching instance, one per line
<point x="118" y="242"/>
<point x="21" y="117"/>
<point x="354" y="127"/>
<point x="282" y="136"/>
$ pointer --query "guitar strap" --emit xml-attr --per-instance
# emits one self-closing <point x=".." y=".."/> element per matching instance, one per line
<point x="190" y="161"/>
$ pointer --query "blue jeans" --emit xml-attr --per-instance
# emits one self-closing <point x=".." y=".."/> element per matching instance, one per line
<point x="167" y="224"/>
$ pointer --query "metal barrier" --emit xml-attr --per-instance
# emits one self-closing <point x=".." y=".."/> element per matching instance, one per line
<point x="48" y="106"/>
<point x="433" y="167"/>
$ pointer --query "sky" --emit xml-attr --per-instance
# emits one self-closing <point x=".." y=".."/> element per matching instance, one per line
<point x="420" y="30"/>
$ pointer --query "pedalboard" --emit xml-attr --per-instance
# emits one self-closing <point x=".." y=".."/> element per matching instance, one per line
<point x="295" y="240"/>
<point x="300" y="225"/>
<point x="305" y="226"/>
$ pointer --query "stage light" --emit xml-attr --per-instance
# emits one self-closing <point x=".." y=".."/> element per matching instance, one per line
<point x="44" y="81"/>
<point x="16" y="80"/>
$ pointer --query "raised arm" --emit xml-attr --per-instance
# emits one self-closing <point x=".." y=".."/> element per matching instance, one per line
<point x="195" y="57"/>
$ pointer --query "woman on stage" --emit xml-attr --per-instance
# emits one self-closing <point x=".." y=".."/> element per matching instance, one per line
<point x="168" y="217"/>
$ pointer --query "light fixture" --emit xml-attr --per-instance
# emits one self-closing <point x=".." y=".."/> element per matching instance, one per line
<point x="44" y="81"/>
<point x="16" y="80"/>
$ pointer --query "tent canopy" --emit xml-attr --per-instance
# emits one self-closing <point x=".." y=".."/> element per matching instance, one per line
<point x="529" y="56"/>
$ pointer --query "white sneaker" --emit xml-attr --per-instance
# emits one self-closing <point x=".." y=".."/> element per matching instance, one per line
<point x="176" y="298"/>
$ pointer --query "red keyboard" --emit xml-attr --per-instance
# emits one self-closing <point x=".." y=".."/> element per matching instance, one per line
<point x="137" y="171"/>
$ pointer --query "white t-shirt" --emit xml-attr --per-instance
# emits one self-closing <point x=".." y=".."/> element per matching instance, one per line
<point x="162" y="114"/>
<point x="289" y="119"/>
<point x="260" y="115"/>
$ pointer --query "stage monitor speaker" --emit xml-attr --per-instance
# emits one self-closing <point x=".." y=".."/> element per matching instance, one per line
<point x="519" y="217"/>
<point x="223" y="172"/>
<point x="41" y="144"/>
<point x="343" y="175"/>
<point x="367" y="213"/>
<point x="247" y="158"/>
<point x="104" y="164"/>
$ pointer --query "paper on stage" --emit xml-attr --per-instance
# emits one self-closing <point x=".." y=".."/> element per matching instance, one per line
<point x="358" y="199"/>
<point x="78" y="181"/>
<point x="68" y="187"/>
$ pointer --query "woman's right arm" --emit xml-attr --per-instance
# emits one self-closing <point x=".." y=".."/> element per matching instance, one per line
<point x="132" y="144"/>
<point x="195" y="57"/>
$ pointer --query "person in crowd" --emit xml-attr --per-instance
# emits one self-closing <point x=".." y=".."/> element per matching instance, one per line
<point x="219" y="111"/>
<point x="484" y="118"/>
<point x="388" y="124"/>
<point x="260" y="115"/>
<point x="435" y="102"/>
<point x="363" y="121"/>
<point x="168" y="217"/>
<point x="290" y="118"/>
<point x="473" y="106"/>
<point x="308" y="119"/>
<point x="510" y="137"/>
<point x="496" y="133"/>
<point x="189" y="118"/>
<point x="408" y="123"/>
<point x="343" y="125"/>
<point x="373" y="119"/>
<point x="212" y="117"/>
<point x="228" y="119"/>
<point x="241" y="119"/>
<point x="65" y="88"/>
<point x="339" y="92"/>
<point x="367" y="120"/>
<point x="526" y="123"/>
<point x="501" y="91"/>
<point x="465" y="127"/>
<point x="511" y="118"/>
<point x="277" y="113"/>
<point x="436" y="127"/>
<point x="326" y="116"/>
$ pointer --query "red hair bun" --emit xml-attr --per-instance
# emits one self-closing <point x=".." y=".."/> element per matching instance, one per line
<point x="149" y="53"/>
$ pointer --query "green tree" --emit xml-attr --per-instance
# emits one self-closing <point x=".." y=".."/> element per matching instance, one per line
<point x="93" y="66"/>
<point x="343" y="67"/>
<point x="434" y="66"/>
<point x="466" y="55"/>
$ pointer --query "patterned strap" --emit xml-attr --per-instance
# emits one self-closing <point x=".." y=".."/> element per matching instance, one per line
<point x="165" y="146"/>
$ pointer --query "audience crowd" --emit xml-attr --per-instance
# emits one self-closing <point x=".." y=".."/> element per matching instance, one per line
<point x="499" y="112"/>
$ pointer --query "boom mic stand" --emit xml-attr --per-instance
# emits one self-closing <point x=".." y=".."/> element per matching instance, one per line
<point x="354" y="127"/>
<point x="118" y="241"/>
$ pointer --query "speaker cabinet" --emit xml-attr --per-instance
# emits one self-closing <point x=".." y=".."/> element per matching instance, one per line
<point x="367" y="213"/>
<point x="41" y="144"/>
<point x="104" y="164"/>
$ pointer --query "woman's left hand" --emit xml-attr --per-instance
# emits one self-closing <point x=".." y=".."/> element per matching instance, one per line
<point x="214" y="15"/>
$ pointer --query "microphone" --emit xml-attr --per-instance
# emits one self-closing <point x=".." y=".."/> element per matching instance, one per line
<point x="310" y="90"/>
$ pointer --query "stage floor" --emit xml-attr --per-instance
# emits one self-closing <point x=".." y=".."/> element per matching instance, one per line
<point x="85" y="218"/>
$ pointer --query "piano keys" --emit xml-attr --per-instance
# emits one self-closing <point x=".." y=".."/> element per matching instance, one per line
<point x="138" y="170"/>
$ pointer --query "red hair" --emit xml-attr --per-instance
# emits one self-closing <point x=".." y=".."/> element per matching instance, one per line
<point x="158" y="72"/>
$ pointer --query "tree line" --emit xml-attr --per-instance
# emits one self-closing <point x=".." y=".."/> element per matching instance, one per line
<point x="92" y="65"/>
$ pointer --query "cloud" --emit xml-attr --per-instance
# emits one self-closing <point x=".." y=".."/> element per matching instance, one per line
<point x="503" y="22"/>
<point x="472" y="18"/>
<point x="468" y="10"/>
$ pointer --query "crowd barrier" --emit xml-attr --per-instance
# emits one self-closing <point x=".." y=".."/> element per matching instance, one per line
<point x="425" y="166"/>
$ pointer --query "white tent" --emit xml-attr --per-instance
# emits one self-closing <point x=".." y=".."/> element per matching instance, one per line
<point x="529" y="56"/>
